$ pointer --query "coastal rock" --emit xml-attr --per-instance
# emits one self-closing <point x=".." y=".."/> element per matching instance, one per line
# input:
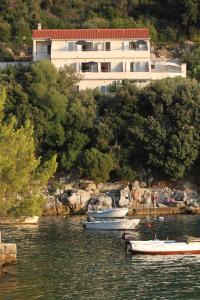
<point x="88" y="186"/>
<point x="135" y="185"/>
<point x="101" y="201"/>
<point x="54" y="207"/>
<point x="125" y="197"/>
<point x="78" y="201"/>
<point x="110" y="186"/>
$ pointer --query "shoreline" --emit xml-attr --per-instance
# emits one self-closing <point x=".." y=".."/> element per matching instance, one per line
<point x="133" y="212"/>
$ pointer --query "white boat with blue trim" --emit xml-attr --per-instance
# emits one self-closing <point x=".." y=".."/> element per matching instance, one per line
<point x="118" y="212"/>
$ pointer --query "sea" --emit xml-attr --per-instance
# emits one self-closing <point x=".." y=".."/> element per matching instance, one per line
<point x="58" y="259"/>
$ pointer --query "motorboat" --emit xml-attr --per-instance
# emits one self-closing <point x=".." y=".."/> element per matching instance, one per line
<point x="118" y="212"/>
<point x="186" y="245"/>
<point x="116" y="224"/>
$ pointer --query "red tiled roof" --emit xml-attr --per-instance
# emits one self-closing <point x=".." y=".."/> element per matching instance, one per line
<point x="78" y="34"/>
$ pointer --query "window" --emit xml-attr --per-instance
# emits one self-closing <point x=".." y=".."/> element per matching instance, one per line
<point x="105" y="67"/>
<point x="72" y="46"/>
<point x="103" y="89"/>
<point x="132" y="46"/>
<point x="87" y="46"/>
<point x="43" y="48"/>
<point x="107" y="46"/>
<point x="139" y="66"/>
<point x="138" y="45"/>
<point x="142" y="45"/>
<point x="89" y="67"/>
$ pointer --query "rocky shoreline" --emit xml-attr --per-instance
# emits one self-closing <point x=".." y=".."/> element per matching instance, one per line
<point x="74" y="197"/>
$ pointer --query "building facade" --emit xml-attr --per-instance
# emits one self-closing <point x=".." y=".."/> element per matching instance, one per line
<point x="104" y="56"/>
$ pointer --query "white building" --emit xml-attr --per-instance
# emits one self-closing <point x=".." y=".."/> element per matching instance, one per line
<point x="103" y="56"/>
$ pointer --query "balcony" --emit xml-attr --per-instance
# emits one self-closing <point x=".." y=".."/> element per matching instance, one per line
<point x="146" y="76"/>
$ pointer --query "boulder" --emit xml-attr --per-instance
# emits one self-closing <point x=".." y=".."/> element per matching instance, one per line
<point x="147" y="197"/>
<point x="101" y="201"/>
<point x="105" y="201"/>
<point x="135" y="185"/>
<point x="125" y="197"/>
<point x="78" y="201"/>
<point x="54" y="207"/>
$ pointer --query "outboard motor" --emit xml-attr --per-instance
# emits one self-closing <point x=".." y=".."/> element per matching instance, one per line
<point x="126" y="236"/>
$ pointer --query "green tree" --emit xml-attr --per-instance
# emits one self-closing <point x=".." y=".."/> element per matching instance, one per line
<point x="79" y="123"/>
<point x="166" y="126"/>
<point x="19" y="179"/>
<point x="97" y="165"/>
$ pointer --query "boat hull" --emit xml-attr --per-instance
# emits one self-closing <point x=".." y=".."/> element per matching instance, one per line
<point x="168" y="252"/>
<point x="109" y="213"/>
<point x="163" y="247"/>
<point x="112" y="225"/>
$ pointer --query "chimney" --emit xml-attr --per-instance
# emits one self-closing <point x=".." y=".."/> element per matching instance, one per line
<point x="39" y="26"/>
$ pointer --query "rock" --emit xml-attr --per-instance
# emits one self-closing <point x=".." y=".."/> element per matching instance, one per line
<point x="143" y="184"/>
<point x="78" y="201"/>
<point x="100" y="186"/>
<point x="105" y="201"/>
<point x="54" y="207"/>
<point x="147" y="197"/>
<point x="88" y="186"/>
<point x="109" y="186"/>
<point x="125" y="197"/>
<point x="9" y="50"/>
<point x="135" y="185"/>
<point x="22" y="54"/>
<point x="101" y="201"/>
<point x="68" y="186"/>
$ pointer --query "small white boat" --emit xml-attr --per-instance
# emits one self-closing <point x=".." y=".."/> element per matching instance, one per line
<point x="120" y="224"/>
<point x="108" y="213"/>
<point x="187" y="245"/>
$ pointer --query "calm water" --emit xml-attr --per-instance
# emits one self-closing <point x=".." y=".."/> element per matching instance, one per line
<point x="59" y="260"/>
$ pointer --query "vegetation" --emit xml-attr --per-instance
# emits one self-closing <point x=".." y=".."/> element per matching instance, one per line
<point x="22" y="176"/>
<point x="150" y="131"/>
<point x="171" y="21"/>
<point x="134" y="133"/>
